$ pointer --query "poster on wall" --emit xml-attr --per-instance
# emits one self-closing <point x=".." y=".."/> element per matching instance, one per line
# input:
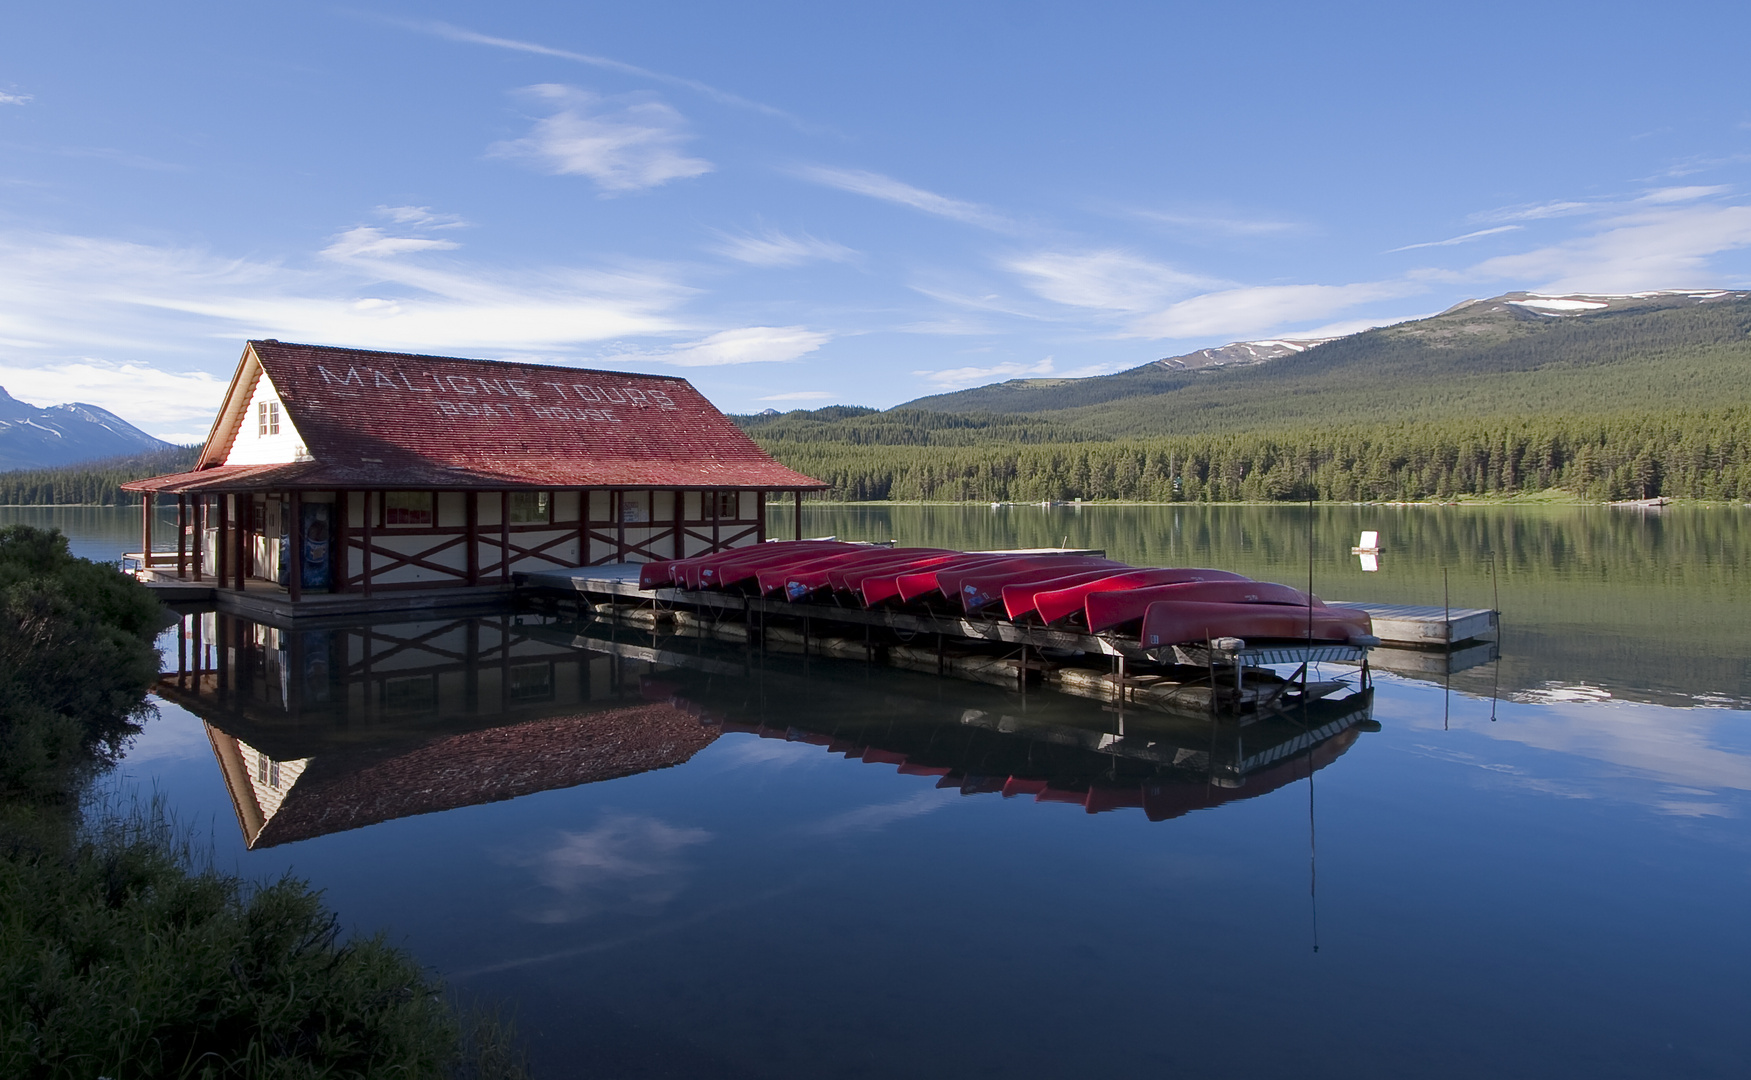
<point x="314" y="530"/>
<point x="314" y="559"/>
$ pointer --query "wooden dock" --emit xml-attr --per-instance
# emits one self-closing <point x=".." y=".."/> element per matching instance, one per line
<point x="1426" y="627"/>
<point x="980" y="649"/>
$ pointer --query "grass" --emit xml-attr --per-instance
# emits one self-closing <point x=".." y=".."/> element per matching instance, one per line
<point x="122" y="955"/>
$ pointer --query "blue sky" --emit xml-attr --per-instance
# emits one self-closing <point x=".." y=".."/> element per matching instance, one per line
<point x="801" y="204"/>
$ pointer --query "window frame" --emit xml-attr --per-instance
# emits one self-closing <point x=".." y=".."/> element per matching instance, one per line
<point x="544" y="502"/>
<point x="431" y="510"/>
<point x="267" y="419"/>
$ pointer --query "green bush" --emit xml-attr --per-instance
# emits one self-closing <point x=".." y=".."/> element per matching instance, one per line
<point x="116" y="960"/>
<point x="119" y="957"/>
<point x="76" y="660"/>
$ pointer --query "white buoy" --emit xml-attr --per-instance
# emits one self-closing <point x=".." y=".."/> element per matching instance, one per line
<point x="1369" y="550"/>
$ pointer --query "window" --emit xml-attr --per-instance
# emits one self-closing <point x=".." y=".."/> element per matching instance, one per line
<point x="413" y="693"/>
<point x="267" y="415"/>
<point x="529" y="507"/>
<point x="727" y="505"/>
<point x="407" y="508"/>
<point x="267" y="770"/>
<point x="532" y="682"/>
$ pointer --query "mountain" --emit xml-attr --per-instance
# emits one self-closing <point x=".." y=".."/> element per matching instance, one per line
<point x="1516" y="354"/>
<point x="33" y="438"/>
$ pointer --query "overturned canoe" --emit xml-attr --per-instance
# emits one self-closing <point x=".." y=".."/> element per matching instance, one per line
<point x="1111" y="609"/>
<point x="706" y="572"/>
<point x="1054" y="604"/>
<point x="1179" y="622"/>
<point x="983" y="587"/>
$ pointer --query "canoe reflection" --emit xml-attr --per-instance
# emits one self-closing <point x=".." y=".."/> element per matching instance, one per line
<point x="324" y="730"/>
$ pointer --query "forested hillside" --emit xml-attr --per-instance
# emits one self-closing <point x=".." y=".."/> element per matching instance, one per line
<point x="1493" y="358"/>
<point x="1699" y="454"/>
<point x="908" y="427"/>
<point x="91" y="483"/>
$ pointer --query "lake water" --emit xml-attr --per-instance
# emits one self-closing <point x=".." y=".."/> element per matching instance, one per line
<point x="659" y="854"/>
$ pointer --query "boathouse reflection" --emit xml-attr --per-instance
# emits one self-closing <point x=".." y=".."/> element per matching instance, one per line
<point x="318" y="731"/>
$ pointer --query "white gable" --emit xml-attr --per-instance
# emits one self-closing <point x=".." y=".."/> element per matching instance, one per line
<point x="264" y="433"/>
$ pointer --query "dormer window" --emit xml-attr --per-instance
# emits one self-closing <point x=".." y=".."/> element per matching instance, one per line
<point x="268" y="418"/>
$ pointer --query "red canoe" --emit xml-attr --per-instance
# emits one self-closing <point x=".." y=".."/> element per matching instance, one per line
<point x="743" y="569"/>
<point x="1109" y="609"/>
<point x="1176" y="622"/>
<point x="704" y="572"/>
<point x="986" y="586"/>
<point x="772" y="578"/>
<point x="1018" y="597"/>
<point x="1054" y="604"/>
<point x="852" y="579"/>
<point x="950" y="578"/>
<point x="811" y="577"/>
<point x="893" y="582"/>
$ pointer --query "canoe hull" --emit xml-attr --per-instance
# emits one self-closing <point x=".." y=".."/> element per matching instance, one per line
<point x="1181" y="622"/>
<point x="1054" y="604"/>
<point x="1110" y="610"/>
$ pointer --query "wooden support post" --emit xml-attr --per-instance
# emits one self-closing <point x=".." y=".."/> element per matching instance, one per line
<point x="200" y="514"/>
<point x="295" y="550"/>
<point x="240" y="543"/>
<point x="504" y="626"/>
<point x="365" y="583"/>
<point x="760" y="516"/>
<point x="715" y="498"/>
<point x="799" y="515"/>
<point x="472" y="502"/>
<point x="295" y="658"/>
<point x="505" y="537"/>
<point x="222" y="650"/>
<point x="199" y="655"/>
<point x="181" y="534"/>
<point x="146" y="530"/>
<point x="221" y="542"/>
<point x="338" y="571"/>
<point x="680" y="526"/>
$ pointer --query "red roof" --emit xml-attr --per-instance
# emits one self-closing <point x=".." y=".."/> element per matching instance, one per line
<point x="379" y="419"/>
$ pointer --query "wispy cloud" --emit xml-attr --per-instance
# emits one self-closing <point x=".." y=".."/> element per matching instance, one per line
<point x="1661" y="196"/>
<point x="471" y="37"/>
<point x="771" y="248"/>
<point x="881" y="815"/>
<point x="1658" y="247"/>
<point x="367" y="242"/>
<point x="1105" y="280"/>
<point x="887" y="189"/>
<point x="1465" y="239"/>
<point x="421" y="217"/>
<point x="627" y="145"/>
<point x="957" y="378"/>
<point x="628" y="862"/>
<point x="1246" y="312"/>
<point x="799" y="395"/>
<point x="63" y="294"/>
<point x="163" y="401"/>
<point x="15" y="99"/>
<point x="747" y="345"/>
<point x="1535" y="211"/>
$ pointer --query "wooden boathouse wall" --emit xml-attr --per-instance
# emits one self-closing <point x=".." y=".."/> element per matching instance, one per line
<point x="425" y="490"/>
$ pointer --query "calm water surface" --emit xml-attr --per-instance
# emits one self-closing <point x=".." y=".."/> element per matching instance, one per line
<point x="659" y="851"/>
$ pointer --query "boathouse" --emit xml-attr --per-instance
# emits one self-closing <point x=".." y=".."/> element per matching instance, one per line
<point x="333" y="470"/>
